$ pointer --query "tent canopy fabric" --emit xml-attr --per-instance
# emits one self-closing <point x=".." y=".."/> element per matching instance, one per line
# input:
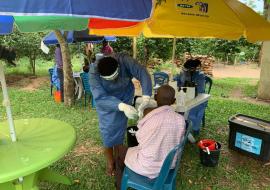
<point x="45" y="23"/>
<point x="135" y="30"/>
<point x="131" y="31"/>
<point x="41" y="23"/>
<point x="44" y="15"/>
<point x="129" y="10"/>
<point x="97" y="23"/>
<point x="48" y="23"/>
<point x="226" y="19"/>
<point x="6" y="25"/>
<point x="77" y="36"/>
<point x="50" y="39"/>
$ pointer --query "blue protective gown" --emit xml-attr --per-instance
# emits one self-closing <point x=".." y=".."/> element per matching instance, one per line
<point x="55" y="78"/>
<point x="108" y="95"/>
<point x="196" y="113"/>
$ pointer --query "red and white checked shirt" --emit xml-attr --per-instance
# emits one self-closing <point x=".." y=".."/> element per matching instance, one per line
<point x="158" y="133"/>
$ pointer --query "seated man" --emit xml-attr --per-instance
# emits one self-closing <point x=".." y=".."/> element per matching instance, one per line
<point x="158" y="133"/>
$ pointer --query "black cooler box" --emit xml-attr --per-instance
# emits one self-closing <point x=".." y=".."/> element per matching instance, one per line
<point x="250" y="136"/>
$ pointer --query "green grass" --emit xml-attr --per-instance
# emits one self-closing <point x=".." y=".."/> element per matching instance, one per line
<point x="166" y="67"/>
<point x="42" y="66"/>
<point x="86" y="163"/>
<point x="225" y="87"/>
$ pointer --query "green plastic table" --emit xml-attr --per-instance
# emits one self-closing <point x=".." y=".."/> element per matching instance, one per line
<point x="40" y="143"/>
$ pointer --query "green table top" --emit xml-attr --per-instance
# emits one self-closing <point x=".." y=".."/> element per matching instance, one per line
<point x="40" y="143"/>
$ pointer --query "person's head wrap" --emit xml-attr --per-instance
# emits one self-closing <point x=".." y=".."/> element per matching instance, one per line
<point x="108" y="68"/>
<point x="192" y="64"/>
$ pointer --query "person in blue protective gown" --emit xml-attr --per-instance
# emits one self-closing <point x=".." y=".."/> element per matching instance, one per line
<point x="191" y="74"/>
<point x="59" y="69"/>
<point x="113" y="91"/>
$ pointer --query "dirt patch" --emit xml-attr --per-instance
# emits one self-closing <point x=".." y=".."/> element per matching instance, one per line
<point x="238" y="159"/>
<point x="35" y="83"/>
<point x="256" y="101"/>
<point x="237" y="96"/>
<point x="83" y="153"/>
<point x="26" y="82"/>
<point x="236" y="93"/>
<point x="236" y="71"/>
<point x="260" y="176"/>
<point x="86" y="148"/>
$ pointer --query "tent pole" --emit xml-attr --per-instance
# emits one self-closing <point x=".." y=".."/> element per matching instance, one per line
<point x="6" y="103"/>
<point x="173" y="57"/>
<point x="134" y="47"/>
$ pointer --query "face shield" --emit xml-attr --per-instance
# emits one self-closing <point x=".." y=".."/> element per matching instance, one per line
<point x="99" y="56"/>
<point x="112" y="76"/>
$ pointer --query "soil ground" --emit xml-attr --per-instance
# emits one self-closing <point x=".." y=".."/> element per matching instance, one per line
<point x="26" y="82"/>
<point x="236" y="71"/>
<point x="31" y="83"/>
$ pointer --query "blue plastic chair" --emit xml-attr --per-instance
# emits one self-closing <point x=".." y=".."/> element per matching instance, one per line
<point x="167" y="177"/>
<point x="86" y="88"/>
<point x="161" y="78"/>
<point x="208" y="86"/>
<point x="50" y="70"/>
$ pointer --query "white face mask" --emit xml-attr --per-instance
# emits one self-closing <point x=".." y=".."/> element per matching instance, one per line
<point x="112" y="76"/>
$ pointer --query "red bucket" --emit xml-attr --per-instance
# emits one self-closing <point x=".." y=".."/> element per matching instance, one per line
<point x="209" y="152"/>
<point x="57" y="96"/>
<point x="207" y="144"/>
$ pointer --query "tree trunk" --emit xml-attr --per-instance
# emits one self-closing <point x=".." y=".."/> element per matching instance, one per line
<point x="67" y="69"/>
<point x="31" y="63"/>
<point x="32" y="60"/>
<point x="34" y="63"/>
<point x="34" y="67"/>
<point x="134" y="47"/>
<point x="264" y="83"/>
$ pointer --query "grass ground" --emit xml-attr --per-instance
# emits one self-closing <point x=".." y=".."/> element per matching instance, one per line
<point x="23" y="66"/>
<point x="86" y="164"/>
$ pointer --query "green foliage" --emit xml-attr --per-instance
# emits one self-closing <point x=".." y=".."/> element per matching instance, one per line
<point x="224" y="50"/>
<point x="22" y="68"/>
<point x="25" y="45"/>
<point x="28" y="45"/>
<point x="123" y="44"/>
<point x="183" y="45"/>
<point x="146" y="47"/>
